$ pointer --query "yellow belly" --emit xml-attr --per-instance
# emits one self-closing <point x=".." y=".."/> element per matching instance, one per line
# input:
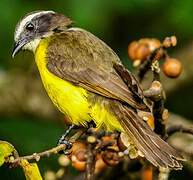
<point x="72" y="100"/>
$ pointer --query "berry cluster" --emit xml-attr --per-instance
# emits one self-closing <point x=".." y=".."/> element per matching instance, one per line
<point x="110" y="149"/>
<point x="147" y="49"/>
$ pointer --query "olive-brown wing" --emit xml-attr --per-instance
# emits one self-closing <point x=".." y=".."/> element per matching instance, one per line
<point x="84" y="60"/>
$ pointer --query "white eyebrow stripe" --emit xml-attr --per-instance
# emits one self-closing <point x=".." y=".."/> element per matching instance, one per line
<point x="75" y="29"/>
<point x="26" y="20"/>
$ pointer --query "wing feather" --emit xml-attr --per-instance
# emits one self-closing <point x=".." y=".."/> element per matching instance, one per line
<point x="157" y="151"/>
<point x="84" y="60"/>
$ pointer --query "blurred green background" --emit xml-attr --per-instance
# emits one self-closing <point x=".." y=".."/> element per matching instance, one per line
<point x="28" y="119"/>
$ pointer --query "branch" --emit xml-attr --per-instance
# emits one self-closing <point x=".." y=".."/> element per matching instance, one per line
<point x="143" y="68"/>
<point x="49" y="152"/>
<point x="163" y="174"/>
<point x="154" y="92"/>
<point x="178" y="128"/>
<point x="90" y="162"/>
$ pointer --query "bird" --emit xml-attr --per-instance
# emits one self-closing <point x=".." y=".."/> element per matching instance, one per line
<point x="87" y="82"/>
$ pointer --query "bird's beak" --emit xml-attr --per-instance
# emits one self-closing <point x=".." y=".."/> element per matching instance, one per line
<point x="18" y="46"/>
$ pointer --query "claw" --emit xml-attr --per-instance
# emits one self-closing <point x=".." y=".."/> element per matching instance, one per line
<point x="68" y="143"/>
<point x="63" y="141"/>
<point x="68" y="146"/>
<point x="66" y="153"/>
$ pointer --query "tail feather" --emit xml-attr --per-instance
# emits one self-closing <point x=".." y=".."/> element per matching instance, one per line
<point x="156" y="150"/>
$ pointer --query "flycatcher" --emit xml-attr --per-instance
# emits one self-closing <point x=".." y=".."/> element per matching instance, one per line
<point x="87" y="82"/>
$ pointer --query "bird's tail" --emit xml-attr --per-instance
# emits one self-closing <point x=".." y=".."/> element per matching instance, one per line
<point x="156" y="150"/>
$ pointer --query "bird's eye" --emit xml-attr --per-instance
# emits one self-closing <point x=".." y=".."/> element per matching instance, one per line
<point x="30" y="27"/>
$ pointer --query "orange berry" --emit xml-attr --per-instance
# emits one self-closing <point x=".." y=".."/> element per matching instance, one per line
<point x="91" y="139"/>
<point x="78" y="159"/>
<point x="132" y="50"/>
<point x="81" y="155"/>
<point x="77" y="146"/>
<point x="167" y="42"/>
<point x="100" y="164"/>
<point x="110" y="157"/>
<point x="136" y="62"/>
<point x="148" y="117"/>
<point x="150" y="122"/>
<point x="123" y="142"/>
<point x="147" y="173"/>
<point x="107" y="138"/>
<point x="172" y="67"/>
<point x="78" y="165"/>
<point x="143" y="48"/>
<point x="173" y="40"/>
<point x="114" y="148"/>
<point x="170" y="41"/>
<point x="64" y="160"/>
<point x="142" y="51"/>
<point x="165" y="116"/>
<point x="152" y="43"/>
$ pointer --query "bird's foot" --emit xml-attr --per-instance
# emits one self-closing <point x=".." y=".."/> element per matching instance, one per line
<point x="62" y="140"/>
<point x="68" y="146"/>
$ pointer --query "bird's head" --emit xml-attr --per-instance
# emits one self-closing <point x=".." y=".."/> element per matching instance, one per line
<point x="35" y="26"/>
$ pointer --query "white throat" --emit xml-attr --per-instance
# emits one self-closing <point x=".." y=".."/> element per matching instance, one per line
<point x="32" y="45"/>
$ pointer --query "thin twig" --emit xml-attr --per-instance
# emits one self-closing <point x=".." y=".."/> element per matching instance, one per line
<point x="157" y="112"/>
<point x="49" y="152"/>
<point x="163" y="174"/>
<point x="144" y="67"/>
<point x="178" y="128"/>
<point x="182" y="129"/>
<point x="90" y="161"/>
<point x="155" y="93"/>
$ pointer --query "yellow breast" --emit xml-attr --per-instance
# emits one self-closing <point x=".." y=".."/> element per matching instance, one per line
<point x="69" y="99"/>
<point x="72" y="100"/>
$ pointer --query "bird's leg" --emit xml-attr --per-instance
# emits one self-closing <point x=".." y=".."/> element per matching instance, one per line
<point x="63" y="141"/>
<point x="91" y="124"/>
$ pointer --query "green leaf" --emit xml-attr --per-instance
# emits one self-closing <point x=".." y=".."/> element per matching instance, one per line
<point x="6" y="150"/>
